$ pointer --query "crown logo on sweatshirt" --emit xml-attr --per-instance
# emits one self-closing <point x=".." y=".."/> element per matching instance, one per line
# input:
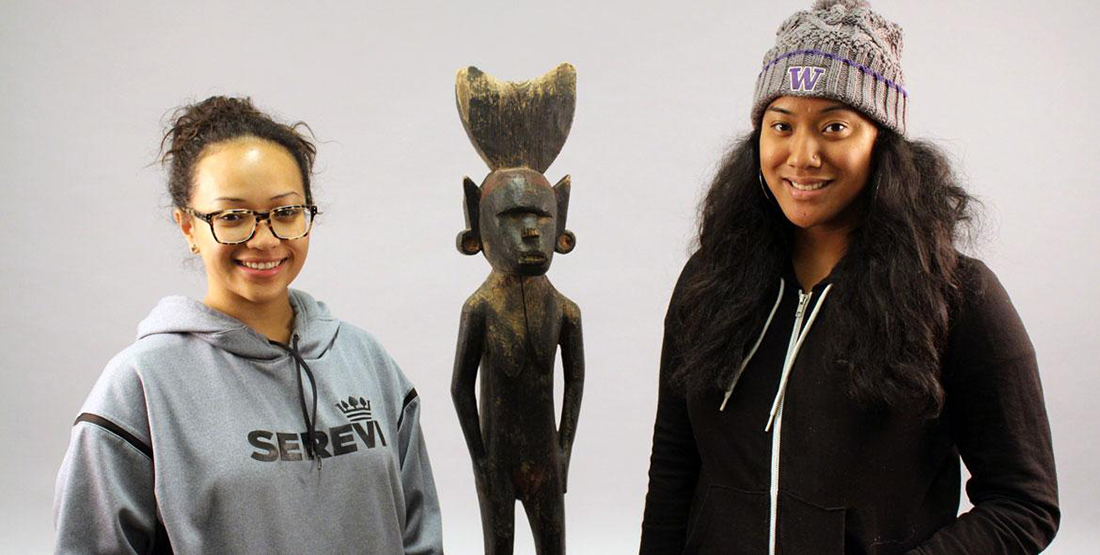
<point x="356" y="410"/>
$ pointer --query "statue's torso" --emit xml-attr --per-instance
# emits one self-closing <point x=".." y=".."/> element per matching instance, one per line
<point x="518" y="354"/>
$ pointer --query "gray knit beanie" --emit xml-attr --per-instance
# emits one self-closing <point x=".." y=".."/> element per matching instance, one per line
<point x="842" y="50"/>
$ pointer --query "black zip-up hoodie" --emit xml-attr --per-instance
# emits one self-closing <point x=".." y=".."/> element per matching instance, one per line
<point x="809" y="471"/>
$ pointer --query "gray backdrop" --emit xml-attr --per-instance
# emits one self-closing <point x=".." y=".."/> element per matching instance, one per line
<point x="1008" y="89"/>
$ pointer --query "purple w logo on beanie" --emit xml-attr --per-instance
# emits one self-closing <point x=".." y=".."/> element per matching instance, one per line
<point x="804" y="78"/>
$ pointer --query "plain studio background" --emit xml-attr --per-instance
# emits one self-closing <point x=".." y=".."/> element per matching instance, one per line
<point x="1008" y="88"/>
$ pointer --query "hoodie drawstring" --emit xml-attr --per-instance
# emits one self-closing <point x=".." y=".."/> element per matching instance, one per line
<point x="788" y="364"/>
<point x="299" y="365"/>
<point x="755" y="346"/>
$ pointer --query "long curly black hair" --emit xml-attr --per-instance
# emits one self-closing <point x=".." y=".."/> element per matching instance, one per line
<point x="899" y="274"/>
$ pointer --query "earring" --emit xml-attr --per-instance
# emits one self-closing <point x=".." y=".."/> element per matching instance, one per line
<point x="763" y="186"/>
<point x="194" y="249"/>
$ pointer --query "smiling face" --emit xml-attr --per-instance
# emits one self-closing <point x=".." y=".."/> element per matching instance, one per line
<point x="258" y="175"/>
<point x="518" y="222"/>
<point x="815" y="155"/>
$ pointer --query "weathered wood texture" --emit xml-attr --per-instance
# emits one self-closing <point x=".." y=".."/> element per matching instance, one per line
<point x="517" y="124"/>
<point x="512" y="326"/>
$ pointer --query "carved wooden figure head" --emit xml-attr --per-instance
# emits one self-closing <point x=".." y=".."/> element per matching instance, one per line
<point x="515" y="217"/>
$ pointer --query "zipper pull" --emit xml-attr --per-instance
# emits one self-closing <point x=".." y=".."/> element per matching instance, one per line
<point x="803" y="300"/>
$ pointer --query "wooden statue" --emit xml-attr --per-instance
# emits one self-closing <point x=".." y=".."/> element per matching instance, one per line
<point x="512" y="325"/>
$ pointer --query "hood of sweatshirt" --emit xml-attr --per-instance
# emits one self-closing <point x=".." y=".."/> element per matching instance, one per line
<point x="315" y="328"/>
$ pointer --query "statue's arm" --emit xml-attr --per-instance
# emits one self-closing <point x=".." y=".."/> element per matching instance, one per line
<point x="572" y="354"/>
<point x="471" y="333"/>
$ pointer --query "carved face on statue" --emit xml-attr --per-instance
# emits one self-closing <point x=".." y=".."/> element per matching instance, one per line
<point x="517" y="220"/>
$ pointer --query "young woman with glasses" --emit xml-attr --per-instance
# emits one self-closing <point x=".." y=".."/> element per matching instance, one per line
<point x="829" y="355"/>
<point x="252" y="421"/>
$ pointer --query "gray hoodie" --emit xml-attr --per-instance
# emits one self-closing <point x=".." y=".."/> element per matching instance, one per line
<point x="195" y="440"/>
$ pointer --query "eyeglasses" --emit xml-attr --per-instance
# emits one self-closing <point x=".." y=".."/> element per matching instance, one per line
<point x="237" y="225"/>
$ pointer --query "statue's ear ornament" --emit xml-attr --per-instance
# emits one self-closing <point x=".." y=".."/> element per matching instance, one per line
<point x="566" y="240"/>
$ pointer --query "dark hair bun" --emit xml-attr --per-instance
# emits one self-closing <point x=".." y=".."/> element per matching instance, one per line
<point x="218" y="119"/>
<point x="191" y="121"/>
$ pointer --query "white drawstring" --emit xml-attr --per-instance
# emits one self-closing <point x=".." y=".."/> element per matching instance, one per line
<point x="789" y="363"/>
<point x="759" y="340"/>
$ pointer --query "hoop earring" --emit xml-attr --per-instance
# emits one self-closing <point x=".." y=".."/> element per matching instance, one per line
<point x="763" y="186"/>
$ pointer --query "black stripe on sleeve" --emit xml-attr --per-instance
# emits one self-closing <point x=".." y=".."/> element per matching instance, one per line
<point x="115" y="429"/>
<point x="408" y="399"/>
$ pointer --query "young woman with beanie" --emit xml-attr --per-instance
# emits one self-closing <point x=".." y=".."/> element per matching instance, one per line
<point x="252" y="421"/>
<point x="829" y="355"/>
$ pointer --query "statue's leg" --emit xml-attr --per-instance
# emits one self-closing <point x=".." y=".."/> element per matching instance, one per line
<point x="546" y="513"/>
<point x="498" y="514"/>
